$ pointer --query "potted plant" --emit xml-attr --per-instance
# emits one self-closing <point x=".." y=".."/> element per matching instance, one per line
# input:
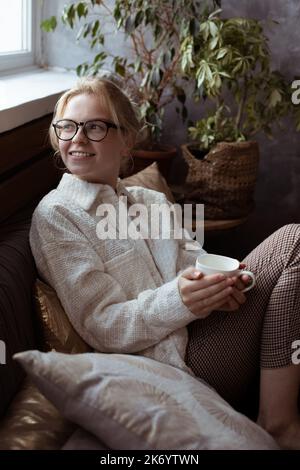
<point x="152" y="70"/>
<point x="230" y="65"/>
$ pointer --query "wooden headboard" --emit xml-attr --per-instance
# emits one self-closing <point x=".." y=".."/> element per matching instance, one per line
<point x="27" y="171"/>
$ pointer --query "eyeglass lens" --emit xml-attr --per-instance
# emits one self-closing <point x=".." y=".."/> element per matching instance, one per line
<point x="94" y="130"/>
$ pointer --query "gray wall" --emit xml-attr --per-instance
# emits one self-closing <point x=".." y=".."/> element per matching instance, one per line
<point x="58" y="50"/>
<point x="279" y="180"/>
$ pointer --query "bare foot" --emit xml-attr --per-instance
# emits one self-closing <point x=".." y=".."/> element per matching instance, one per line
<point x="287" y="437"/>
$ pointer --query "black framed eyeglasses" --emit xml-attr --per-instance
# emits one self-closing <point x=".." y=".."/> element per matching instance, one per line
<point x="95" y="130"/>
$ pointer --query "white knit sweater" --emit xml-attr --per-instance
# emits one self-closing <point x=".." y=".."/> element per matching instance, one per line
<point x="120" y="295"/>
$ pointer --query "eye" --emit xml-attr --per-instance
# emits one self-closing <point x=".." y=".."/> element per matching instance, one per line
<point x="69" y="126"/>
<point x="97" y="126"/>
<point x="65" y="126"/>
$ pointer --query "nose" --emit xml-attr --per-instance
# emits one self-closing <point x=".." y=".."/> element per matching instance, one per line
<point x="79" y="136"/>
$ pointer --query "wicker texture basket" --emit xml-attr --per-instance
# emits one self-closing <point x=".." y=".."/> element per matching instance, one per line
<point x="224" y="180"/>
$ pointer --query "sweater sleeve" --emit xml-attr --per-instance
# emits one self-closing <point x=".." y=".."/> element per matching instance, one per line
<point x="189" y="250"/>
<point x="94" y="301"/>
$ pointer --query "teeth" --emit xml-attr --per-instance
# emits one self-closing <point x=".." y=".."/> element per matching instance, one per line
<point x="81" y="154"/>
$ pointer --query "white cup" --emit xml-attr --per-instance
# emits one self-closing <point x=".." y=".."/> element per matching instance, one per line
<point x="215" y="264"/>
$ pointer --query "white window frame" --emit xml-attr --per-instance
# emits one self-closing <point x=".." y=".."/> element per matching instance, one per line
<point x="11" y="62"/>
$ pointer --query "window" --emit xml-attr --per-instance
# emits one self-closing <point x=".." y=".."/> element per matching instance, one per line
<point x="17" y="34"/>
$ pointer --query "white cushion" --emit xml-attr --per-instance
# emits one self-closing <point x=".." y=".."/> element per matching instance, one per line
<point x="133" y="402"/>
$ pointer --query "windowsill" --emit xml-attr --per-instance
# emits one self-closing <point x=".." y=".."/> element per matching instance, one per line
<point x="30" y="94"/>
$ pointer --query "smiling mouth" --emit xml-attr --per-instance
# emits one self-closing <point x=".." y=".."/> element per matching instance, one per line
<point x="81" y="154"/>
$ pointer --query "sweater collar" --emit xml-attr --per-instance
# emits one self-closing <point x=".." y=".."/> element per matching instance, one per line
<point x="86" y="194"/>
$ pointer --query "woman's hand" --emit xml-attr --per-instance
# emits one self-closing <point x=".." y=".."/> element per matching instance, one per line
<point x="204" y="294"/>
<point x="238" y="297"/>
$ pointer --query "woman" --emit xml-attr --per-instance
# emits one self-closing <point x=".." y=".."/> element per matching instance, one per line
<point x="129" y="295"/>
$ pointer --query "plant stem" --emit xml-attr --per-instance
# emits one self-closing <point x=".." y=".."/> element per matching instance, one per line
<point x="241" y="105"/>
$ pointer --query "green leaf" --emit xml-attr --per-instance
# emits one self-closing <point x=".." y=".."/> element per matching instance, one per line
<point x="208" y="73"/>
<point x="275" y="98"/>
<point x="155" y="77"/>
<point x="218" y="81"/>
<point x="99" y="58"/>
<point x="80" y="33"/>
<point x="145" y="80"/>
<point x="238" y="66"/>
<point x="225" y="74"/>
<point x="213" y="43"/>
<point x="120" y="69"/>
<point x="81" y="9"/>
<point x="138" y="65"/>
<point x="204" y="29"/>
<point x="87" y="30"/>
<point x="49" y="25"/>
<point x="70" y="15"/>
<point x="157" y="31"/>
<point x="95" y="28"/>
<point x="200" y="76"/>
<point x="93" y="43"/>
<point x="129" y="24"/>
<point x="213" y="28"/>
<point x="221" y="53"/>
<point x="139" y="18"/>
<point x="117" y="12"/>
<point x="187" y="54"/>
<point x="82" y="69"/>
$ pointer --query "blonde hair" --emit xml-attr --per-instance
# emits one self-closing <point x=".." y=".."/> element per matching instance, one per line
<point x="123" y="111"/>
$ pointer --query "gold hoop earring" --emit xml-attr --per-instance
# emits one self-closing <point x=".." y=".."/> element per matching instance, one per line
<point x="57" y="161"/>
<point x="132" y="162"/>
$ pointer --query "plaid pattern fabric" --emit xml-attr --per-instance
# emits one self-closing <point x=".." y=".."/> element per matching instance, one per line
<point x="227" y="348"/>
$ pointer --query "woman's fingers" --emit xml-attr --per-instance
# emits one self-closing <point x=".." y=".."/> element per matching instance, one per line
<point x="244" y="278"/>
<point x="216" y="299"/>
<point x="239" y="284"/>
<point x="203" y="294"/>
<point x="191" y="273"/>
<point x="204" y="312"/>
<point x="192" y="280"/>
<point x="206" y="281"/>
<point x="238" y="295"/>
<point x="207" y="290"/>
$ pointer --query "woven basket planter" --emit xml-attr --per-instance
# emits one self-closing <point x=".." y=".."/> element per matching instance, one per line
<point x="224" y="180"/>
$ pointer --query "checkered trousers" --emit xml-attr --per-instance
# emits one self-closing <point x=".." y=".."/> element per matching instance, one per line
<point x="227" y="348"/>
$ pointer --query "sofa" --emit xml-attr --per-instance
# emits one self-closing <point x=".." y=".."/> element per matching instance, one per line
<point x="137" y="404"/>
<point x="26" y="174"/>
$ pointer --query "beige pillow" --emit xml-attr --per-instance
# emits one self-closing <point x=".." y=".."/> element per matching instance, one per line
<point x="56" y="331"/>
<point x="133" y="402"/>
<point x="150" y="178"/>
